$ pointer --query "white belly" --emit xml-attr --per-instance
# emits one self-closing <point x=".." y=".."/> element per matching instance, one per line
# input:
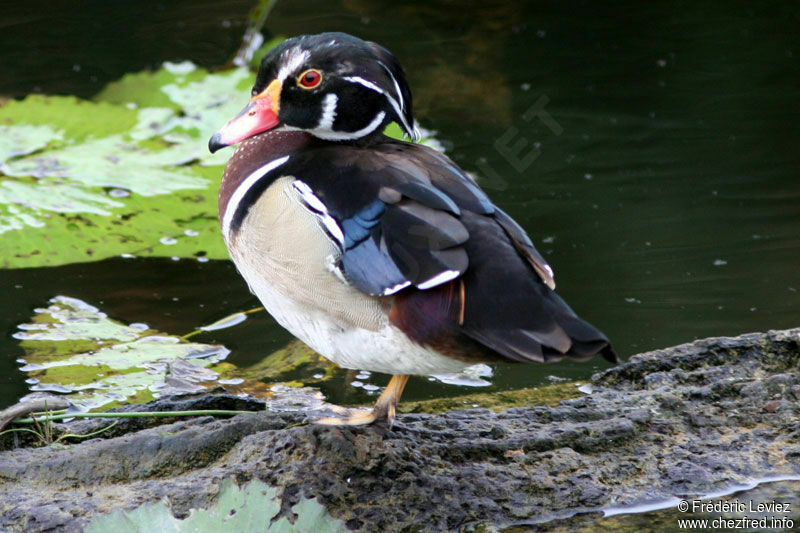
<point x="283" y="254"/>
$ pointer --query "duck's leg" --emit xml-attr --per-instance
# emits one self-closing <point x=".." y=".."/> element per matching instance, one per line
<point x="385" y="408"/>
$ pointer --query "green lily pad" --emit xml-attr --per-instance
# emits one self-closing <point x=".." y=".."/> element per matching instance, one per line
<point x="24" y="139"/>
<point x="247" y="508"/>
<point x="72" y="347"/>
<point x="83" y="181"/>
<point x="76" y="119"/>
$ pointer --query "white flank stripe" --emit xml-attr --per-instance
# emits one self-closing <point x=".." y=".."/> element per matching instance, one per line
<point x="438" y="279"/>
<point x="346" y="135"/>
<point x="328" y="112"/>
<point x="312" y="201"/>
<point x="369" y="85"/>
<point x="244" y="186"/>
<point x="399" y="286"/>
<point x="292" y="60"/>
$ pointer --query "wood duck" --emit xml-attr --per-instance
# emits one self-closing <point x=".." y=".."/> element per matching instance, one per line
<point x="381" y="255"/>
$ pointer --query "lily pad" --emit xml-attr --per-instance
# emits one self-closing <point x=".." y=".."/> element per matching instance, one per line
<point x="72" y="347"/>
<point x="87" y="180"/>
<point x="246" y="508"/>
<point x="22" y="140"/>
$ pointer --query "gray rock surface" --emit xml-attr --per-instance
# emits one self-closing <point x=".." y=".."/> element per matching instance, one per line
<point x="683" y="421"/>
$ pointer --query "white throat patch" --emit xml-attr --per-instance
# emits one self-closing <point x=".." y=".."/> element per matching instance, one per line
<point x="328" y="112"/>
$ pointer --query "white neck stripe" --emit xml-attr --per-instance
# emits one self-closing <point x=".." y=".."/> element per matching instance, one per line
<point x="241" y="190"/>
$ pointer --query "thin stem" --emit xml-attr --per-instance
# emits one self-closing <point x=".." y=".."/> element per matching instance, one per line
<point x="92" y="434"/>
<point x="135" y="414"/>
<point x="14" y="430"/>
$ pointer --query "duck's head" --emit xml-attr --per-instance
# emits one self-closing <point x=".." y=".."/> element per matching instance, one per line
<point x="334" y="86"/>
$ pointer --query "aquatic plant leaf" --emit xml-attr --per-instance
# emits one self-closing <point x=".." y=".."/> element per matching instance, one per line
<point x="86" y="180"/>
<point x="245" y="508"/>
<point x="182" y="103"/>
<point x="76" y="119"/>
<point x="110" y="162"/>
<point x="73" y="319"/>
<point x="73" y="347"/>
<point x="24" y="139"/>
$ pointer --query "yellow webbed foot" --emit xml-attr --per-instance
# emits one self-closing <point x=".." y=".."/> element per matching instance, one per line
<point x="385" y="408"/>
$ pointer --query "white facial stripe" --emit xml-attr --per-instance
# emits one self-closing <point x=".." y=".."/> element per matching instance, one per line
<point x="369" y="85"/>
<point x="347" y="135"/>
<point x="292" y="60"/>
<point x="318" y="208"/>
<point x="244" y="186"/>
<point x="396" y="86"/>
<point x="366" y="83"/>
<point x="328" y="112"/>
<point x="438" y="279"/>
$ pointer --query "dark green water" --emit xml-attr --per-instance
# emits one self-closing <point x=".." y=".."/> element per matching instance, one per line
<point x="659" y="174"/>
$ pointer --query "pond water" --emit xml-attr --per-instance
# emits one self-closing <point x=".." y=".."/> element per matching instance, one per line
<point x="650" y="151"/>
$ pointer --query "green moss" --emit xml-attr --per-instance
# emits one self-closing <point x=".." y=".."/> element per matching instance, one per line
<point x="548" y="395"/>
<point x="281" y="362"/>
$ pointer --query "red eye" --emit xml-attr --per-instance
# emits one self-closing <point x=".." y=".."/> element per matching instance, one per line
<point x="309" y="79"/>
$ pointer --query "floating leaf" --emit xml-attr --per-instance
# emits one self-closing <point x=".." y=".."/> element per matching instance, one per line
<point x="71" y="346"/>
<point x="74" y="348"/>
<point x="245" y="508"/>
<point x="111" y="162"/>
<point x="85" y="180"/>
<point x="24" y="139"/>
<point x="76" y="119"/>
<point x="226" y="322"/>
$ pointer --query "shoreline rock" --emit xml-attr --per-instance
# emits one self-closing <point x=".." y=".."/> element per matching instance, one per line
<point x="678" y="422"/>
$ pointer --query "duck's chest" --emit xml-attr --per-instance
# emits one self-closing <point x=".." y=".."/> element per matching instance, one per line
<point x="286" y="257"/>
<point x="283" y="252"/>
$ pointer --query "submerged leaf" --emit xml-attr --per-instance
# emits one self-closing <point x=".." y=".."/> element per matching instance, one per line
<point x="72" y="346"/>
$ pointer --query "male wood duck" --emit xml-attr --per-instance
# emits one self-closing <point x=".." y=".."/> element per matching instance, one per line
<point x="381" y="255"/>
